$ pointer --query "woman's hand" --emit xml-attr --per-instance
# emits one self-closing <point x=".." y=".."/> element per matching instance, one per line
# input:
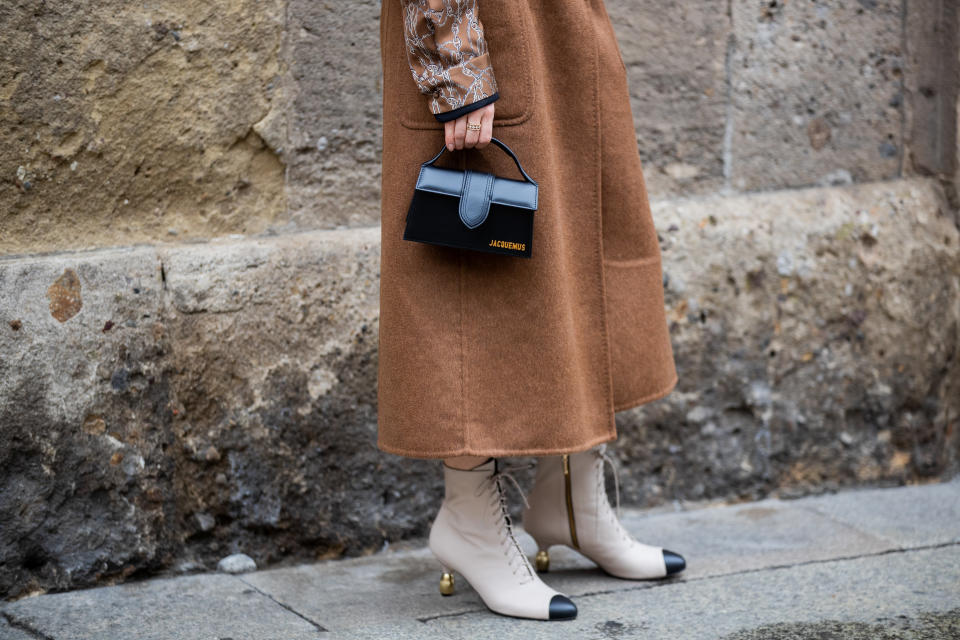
<point x="458" y="136"/>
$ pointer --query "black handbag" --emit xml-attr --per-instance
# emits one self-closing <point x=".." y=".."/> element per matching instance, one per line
<point x="473" y="209"/>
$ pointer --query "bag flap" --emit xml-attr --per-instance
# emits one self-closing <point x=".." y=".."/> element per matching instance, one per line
<point x="506" y="191"/>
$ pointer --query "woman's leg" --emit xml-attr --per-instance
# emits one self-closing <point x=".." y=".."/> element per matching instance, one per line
<point x="465" y="463"/>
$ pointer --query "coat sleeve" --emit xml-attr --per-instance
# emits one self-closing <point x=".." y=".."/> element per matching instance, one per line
<point x="448" y="56"/>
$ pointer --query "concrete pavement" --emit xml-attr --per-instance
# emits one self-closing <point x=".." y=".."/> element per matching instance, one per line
<point x="861" y="563"/>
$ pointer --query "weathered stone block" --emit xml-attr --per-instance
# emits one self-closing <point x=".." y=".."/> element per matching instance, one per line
<point x="146" y="392"/>
<point x="84" y="419"/>
<point x="932" y="80"/>
<point x="334" y="51"/>
<point x="675" y="57"/>
<point x="124" y="123"/>
<point x="816" y="92"/>
<point x="816" y="336"/>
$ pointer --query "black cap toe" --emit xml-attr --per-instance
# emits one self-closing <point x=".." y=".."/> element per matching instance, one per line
<point x="674" y="561"/>
<point x="562" y="608"/>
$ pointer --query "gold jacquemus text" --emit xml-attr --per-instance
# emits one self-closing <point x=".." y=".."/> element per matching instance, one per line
<point x="506" y="244"/>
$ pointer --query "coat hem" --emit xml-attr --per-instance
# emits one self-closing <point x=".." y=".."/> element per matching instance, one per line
<point x="497" y="453"/>
<point x="650" y="397"/>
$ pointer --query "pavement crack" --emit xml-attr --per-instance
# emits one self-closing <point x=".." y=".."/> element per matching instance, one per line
<point x="439" y="616"/>
<point x="318" y="626"/>
<point x="668" y="583"/>
<point x="23" y="626"/>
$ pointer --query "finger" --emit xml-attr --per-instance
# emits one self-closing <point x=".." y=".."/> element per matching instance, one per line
<point x="486" y="128"/>
<point x="460" y="131"/>
<point x="448" y="128"/>
<point x="473" y="135"/>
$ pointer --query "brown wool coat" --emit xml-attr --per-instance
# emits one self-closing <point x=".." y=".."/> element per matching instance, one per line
<point x="484" y="354"/>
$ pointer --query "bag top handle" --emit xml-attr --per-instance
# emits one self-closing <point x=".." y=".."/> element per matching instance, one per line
<point x="499" y="144"/>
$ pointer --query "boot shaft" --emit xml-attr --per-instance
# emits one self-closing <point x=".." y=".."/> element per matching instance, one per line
<point x="568" y="498"/>
<point x="466" y="500"/>
<point x="582" y="470"/>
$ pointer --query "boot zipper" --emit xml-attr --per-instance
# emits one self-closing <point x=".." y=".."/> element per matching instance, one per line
<point x="566" y="483"/>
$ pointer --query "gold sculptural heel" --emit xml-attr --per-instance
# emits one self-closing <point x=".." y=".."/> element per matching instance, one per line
<point x="447" y="583"/>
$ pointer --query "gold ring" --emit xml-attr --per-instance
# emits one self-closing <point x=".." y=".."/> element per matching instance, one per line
<point x="473" y="126"/>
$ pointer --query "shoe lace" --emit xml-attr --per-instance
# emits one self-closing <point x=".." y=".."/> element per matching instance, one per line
<point x="492" y="485"/>
<point x="602" y="458"/>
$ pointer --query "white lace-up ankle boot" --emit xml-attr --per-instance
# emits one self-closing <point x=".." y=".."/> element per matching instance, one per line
<point x="568" y="505"/>
<point x="472" y="535"/>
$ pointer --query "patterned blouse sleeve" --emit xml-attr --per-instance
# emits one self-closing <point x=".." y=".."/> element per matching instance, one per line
<point x="448" y="56"/>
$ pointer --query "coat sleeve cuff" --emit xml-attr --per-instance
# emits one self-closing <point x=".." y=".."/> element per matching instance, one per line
<point x="473" y="106"/>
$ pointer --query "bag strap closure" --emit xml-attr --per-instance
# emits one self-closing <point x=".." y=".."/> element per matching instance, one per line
<point x="475" y="197"/>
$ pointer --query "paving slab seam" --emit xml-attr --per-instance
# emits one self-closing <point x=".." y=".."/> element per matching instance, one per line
<point x="876" y="536"/>
<point x="319" y="627"/>
<point x="669" y="583"/>
<point x="23" y="626"/>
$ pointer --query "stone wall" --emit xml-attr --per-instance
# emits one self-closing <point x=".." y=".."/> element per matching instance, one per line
<point x="189" y="271"/>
